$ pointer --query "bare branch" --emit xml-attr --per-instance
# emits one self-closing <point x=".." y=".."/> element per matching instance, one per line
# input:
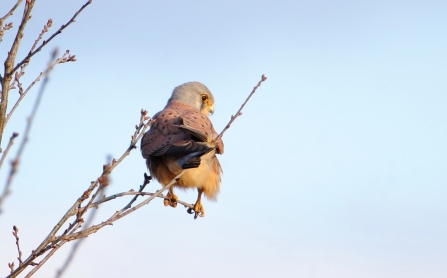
<point x="17" y="75"/>
<point x="15" y="232"/>
<point x="5" y="153"/>
<point x="2" y="32"/>
<point x="45" y="29"/>
<point x="121" y="213"/>
<point x="9" y="64"/>
<point x="31" y="273"/>
<point x="239" y="112"/>
<point x="11" y="266"/>
<point x="138" y="193"/>
<point x="16" y="161"/>
<point x="63" y="59"/>
<point x="53" y="242"/>
<point x="76" y="245"/>
<point x="45" y="42"/>
<point x="147" y="179"/>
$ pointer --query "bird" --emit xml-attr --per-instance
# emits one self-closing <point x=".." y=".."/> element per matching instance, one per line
<point x="182" y="138"/>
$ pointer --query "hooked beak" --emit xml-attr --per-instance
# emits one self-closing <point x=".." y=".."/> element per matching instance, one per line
<point x="211" y="109"/>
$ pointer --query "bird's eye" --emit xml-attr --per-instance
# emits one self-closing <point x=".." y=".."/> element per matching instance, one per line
<point x="204" y="97"/>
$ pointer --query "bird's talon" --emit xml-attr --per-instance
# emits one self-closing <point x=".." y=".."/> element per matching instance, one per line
<point x="198" y="210"/>
<point x="171" y="201"/>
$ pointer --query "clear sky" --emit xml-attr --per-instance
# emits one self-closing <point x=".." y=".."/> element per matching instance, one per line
<point x="337" y="167"/>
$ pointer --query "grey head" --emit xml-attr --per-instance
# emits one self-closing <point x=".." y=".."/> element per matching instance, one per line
<point x="196" y="95"/>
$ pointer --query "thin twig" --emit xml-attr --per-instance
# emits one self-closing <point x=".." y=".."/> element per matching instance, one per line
<point x="76" y="245"/>
<point x="16" y="161"/>
<point x="15" y="232"/>
<point x="11" y="267"/>
<point x="5" y="153"/>
<point x="63" y="59"/>
<point x="17" y="75"/>
<point x="239" y="112"/>
<point x="45" y="29"/>
<point x="147" y="179"/>
<point x="45" y="42"/>
<point x="2" y="32"/>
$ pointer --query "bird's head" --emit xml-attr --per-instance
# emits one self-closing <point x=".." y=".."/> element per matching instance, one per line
<point x="196" y="95"/>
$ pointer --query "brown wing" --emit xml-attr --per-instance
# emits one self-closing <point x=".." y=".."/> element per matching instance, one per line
<point x="200" y="126"/>
<point x="178" y="129"/>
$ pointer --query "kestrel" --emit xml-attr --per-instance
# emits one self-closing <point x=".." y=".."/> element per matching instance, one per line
<point x="182" y="138"/>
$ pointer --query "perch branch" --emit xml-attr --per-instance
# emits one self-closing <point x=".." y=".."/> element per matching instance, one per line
<point x="137" y="193"/>
<point x="61" y="240"/>
<point x="121" y="213"/>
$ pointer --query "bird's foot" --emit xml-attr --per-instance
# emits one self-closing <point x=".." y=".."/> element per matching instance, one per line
<point x="198" y="210"/>
<point x="172" y="201"/>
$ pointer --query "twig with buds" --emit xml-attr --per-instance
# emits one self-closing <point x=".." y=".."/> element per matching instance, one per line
<point x="45" y="42"/>
<point x="239" y="112"/>
<point x="16" y="161"/>
<point x="66" y="57"/>
<point x="5" y="153"/>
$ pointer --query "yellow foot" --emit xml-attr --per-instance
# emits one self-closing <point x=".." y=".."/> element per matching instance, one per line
<point x="172" y="201"/>
<point x="198" y="210"/>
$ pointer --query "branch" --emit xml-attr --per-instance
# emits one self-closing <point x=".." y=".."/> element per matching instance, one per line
<point x="17" y="75"/>
<point x="16" y="235"/>
<point x="53" y="242"/>
<point x="31" y="273"/>
<point x="239" y="112"/>
<point x="75" y="247"/>
<point x="16" y="161"/>
<point x="9" y="64"/>
<point x="121" y="213"/>
<point x="147" y="180"/>
<point x="63" y="59"/>
<point x="45" y="42"/>
<point x="2" y="32"/>
<point x="61" y="240"/>
<point x="11" y="141"/>
<point x="138" y="193"/>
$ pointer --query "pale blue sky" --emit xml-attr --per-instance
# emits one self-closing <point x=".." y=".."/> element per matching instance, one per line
<point x="337" y="167"/>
